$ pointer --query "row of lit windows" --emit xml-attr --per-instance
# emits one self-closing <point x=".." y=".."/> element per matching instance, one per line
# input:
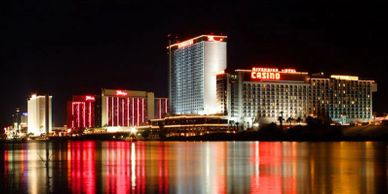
<point x="189" y="78"/>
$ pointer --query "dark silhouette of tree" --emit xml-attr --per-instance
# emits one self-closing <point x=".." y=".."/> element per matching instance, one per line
<point x="289" y="120"/>
<point x="312" y="122"/>
<point x="299" y="120"/>
<point x="146" y="133"/>
<point x="281" y="119"/>
<point x="162" y="130"/>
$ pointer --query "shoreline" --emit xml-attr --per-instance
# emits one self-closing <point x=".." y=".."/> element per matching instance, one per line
<point x="270" y="133"/>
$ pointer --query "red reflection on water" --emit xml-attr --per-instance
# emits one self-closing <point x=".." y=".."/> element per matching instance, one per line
<point x="81" y="174"/>
<point x="162" y="170"/>
<point x="117" y="167"/>
<point x="6" y="162"/>
<point x="269" y="169"/>
<point x="125" y="168"/>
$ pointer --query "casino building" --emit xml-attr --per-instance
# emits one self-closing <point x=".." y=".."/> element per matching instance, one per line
<point x="193" y="66"/>
<point x="114" y="109"/>
<point x="81" y="112"/>
<point x="125" y="108"/>
<point x="262" y="95"/>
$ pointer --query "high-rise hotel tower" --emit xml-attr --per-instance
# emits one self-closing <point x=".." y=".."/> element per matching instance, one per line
<point x="193" y="66"/>
<point x="39" y="114"/>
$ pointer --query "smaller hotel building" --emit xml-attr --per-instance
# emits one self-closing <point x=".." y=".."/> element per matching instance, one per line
<point x="262" y="95"/>
<point x="81" y="112"/>
<point x="114" y="108"/>
<point x="126" y="108"/>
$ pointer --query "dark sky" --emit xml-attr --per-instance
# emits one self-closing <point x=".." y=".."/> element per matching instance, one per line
<point x="77" y="47"/>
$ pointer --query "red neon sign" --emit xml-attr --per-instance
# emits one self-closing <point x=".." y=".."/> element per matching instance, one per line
<point x="121" y="93"/>
<point x="265" y="74"/>
<point x="91" y="98"/>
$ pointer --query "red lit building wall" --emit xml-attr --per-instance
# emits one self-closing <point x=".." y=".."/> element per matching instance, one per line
<point x="126" y="108"/>
<point x="161" y="107"/>
<point x="126" y="111"/>
<point x="81" y="112"/>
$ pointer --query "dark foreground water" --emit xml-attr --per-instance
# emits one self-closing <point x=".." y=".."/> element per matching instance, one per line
<point x="194" y="167"/>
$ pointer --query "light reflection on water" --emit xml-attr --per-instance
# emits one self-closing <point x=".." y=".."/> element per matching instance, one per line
<point x="194" y="167"/>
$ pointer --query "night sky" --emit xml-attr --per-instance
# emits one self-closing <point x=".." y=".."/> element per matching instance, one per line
<point x="79" y="47"/>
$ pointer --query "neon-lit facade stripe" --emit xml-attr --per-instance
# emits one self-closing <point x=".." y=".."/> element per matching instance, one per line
<point x="112" y="114"/>
<point x="117" y="111"/>
<point x="122" y="112"/>
<point x="72" y="113"/>
<point x="78" y="116"/>
<point x="90" y="115"/>
<point x="84" y="115"/>
<point x="137" y="111"/>
<point x="128" y="112"/>
<point x="142" y="110"/>
<point x="108" y="111"/>
<point x="133" y="112"/>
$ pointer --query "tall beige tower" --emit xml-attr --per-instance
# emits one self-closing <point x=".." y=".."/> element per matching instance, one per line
<point x="39" y="114"/>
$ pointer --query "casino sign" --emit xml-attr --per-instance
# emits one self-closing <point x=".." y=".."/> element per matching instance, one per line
<point x="265" y="74"/>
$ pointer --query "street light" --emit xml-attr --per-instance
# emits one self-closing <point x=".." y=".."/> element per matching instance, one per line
<point x="133" y="130"/>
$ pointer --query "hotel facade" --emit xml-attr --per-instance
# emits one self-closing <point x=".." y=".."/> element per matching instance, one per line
<point x="127" y="108"/>
<point x="193" y="66"/>
<point x="81" y="113"/>
<point x="39" y="111"/>
<point x="114" y="109"/>
<point x="343" y="98"/>
<point x="262" y="95"/>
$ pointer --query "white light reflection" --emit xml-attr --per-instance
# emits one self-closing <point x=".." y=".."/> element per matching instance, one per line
<point x="133" y="166"/>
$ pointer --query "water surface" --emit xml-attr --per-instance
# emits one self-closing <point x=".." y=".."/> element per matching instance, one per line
<point x="194" y="167"/>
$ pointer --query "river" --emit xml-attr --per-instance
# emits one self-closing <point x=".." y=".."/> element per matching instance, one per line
<point x="194" y="167"/>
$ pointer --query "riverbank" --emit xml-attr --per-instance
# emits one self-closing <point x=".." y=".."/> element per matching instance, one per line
<point x="267" y="133"/>
<point x="298" y="133"/>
